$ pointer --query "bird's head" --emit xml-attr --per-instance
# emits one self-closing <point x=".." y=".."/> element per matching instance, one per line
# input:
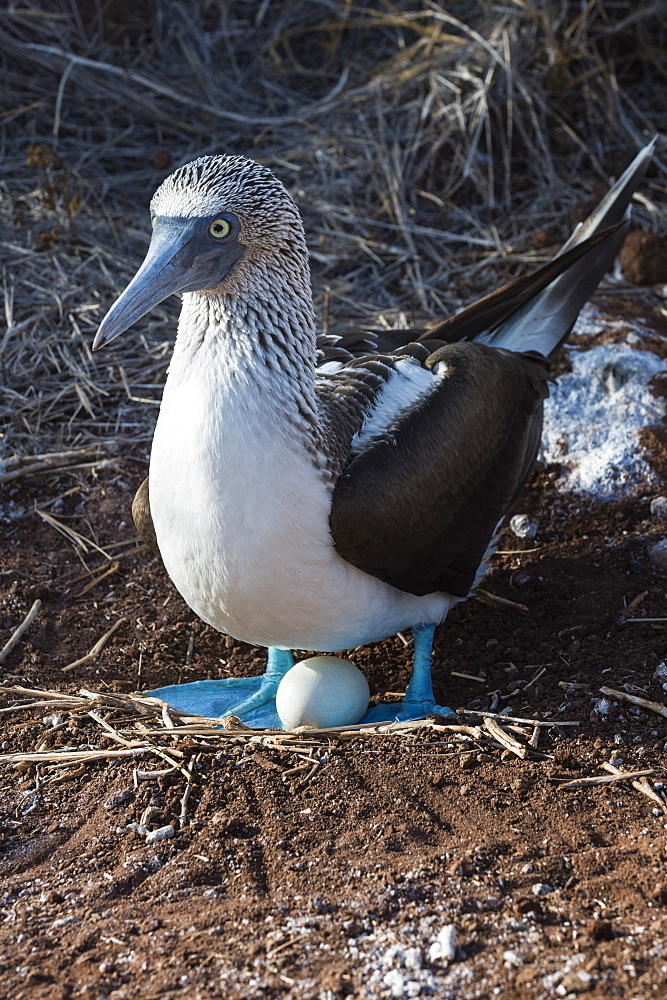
<point x="217" y="221"/>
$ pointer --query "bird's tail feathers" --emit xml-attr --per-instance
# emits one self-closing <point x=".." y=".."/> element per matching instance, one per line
<point x="537" y="311"/>
<point x="544" y="321"/>
<point x="615" y="206"/>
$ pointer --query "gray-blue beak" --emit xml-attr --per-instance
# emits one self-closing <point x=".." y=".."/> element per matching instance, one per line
<point x="182" y="257"/>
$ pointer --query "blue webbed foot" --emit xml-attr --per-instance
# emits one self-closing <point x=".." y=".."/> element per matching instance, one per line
<point x="252" y="699"/>
<point x="418" y="701"/>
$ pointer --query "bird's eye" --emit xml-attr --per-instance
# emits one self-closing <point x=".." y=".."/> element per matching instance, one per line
<point x="220" y="228"/>
<point x="153" y="220"/>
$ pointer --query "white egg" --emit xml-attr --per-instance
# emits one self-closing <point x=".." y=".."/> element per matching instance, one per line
<point x="322" y="691"/>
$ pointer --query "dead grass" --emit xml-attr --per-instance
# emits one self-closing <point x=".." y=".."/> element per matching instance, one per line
<point x="426" y="144"/>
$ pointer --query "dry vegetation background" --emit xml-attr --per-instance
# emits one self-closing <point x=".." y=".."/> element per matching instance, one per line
<point x="433" y="148"/>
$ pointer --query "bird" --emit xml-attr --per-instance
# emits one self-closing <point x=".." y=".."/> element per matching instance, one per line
<point x="320" y="491"/>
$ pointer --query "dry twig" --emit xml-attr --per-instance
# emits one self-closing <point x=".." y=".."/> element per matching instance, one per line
<point x="641" y="786"/>
<point x="97" y="648"/>
<point x="503" y="737"/>
<point x="22" y="628"/>
<point x="606" y="779"/>
<point x="651" y="706"/>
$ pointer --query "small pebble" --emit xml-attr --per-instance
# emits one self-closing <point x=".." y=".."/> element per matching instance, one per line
<point x="395" y="983"/>
<point x="163" y="833"/>
<point x="659" y="507"/>
<point x="658" y="554"/>
<point x="512" y="960"/>
<point x="541" y="889"/>
<point x="118" y="799"/>
<point x="660" y="674"/>
<point x="602" y="706"/>
<point x="412" y="959"/>
<point x="443" y="948"/>
<point x="522" y="526"/>
<point x="54" y="720"/>
<point x="137" y="828"/>
<point x="575" y="982"/>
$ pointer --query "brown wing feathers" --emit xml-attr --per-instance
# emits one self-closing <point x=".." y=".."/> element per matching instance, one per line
<point x="141" y="515"/>
<point x="419" y="511"/>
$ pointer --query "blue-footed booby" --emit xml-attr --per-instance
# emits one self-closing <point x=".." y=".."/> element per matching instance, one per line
<point x="323" y="492"/>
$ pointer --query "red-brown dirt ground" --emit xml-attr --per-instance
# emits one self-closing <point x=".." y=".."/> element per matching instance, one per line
<point x="335" y="883"/>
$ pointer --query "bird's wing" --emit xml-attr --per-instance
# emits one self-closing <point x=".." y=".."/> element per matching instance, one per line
<point x="443" y="448"/>
<point x="343" y="345"/>
<point x="141" y="515"/>
<point x="428" y="452"/>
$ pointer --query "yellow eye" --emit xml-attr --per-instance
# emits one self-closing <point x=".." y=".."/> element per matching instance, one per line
<point x="220" y="228"/>
<point x="153" y="220"/>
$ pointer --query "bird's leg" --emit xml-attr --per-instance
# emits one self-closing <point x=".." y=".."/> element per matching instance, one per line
<point x="252" y="699"/>
<point x="419" y="701"/>
<point x="419" y="696"/>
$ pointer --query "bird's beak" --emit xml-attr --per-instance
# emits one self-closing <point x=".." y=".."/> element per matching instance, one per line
<point x="165" y="270"/>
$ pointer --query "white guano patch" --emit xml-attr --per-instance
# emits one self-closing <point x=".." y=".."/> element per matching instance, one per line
<point x="407" y="388"/>
<point x="594" y="415"/>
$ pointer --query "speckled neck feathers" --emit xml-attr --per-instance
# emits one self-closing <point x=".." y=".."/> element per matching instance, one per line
<point x="259" y="322"/>
<point x="258" y="347"/>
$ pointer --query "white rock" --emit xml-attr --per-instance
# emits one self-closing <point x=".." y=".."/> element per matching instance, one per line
<point x="395" y="982"/>
<point x="322" y="691"/>
<point x="164" y="833"/>
<point x="602" y="706"/>
<point x="659" y="507"/>
<point x="575" y="982"/>
<point x="541" y="889"/>
<point x="443" y="948"/>
<point x="54" y="720"/>
<point x="512" y="959"/>
<point x="141" y="831"/>
<point x="522" y="526"/>
<point x="412" y="959"/>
